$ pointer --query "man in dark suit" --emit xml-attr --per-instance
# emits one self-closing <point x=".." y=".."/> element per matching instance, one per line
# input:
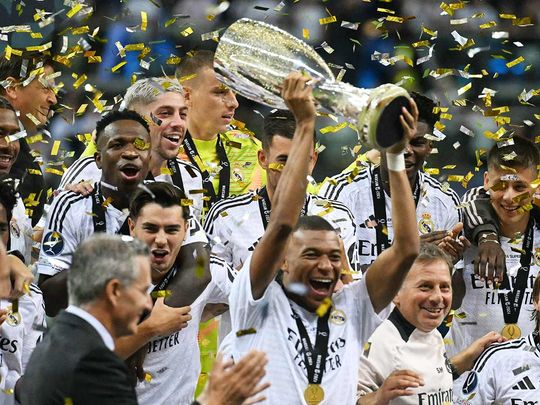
<point x="108" y="288"/>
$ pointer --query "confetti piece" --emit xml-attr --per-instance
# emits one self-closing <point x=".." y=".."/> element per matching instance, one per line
<point x="55" y="148"/>
<point x="305" y="33"/>
<point x="74" y="10"/>
<point x="278" y="167"/>
<point x="327" y="20"/>
<point x="82" y="78"/>
<point x="244" y="332"/>
<point x="464" y="89"/>
<point x="116" y="67"/>
<point x="515" y="62"/>
<point x="147" y="377"/>
<point x="324" y="307"/>
<point x="350" y="25"/>
<point x="161" y="294"/>
<point x="466" y="131"/>
<point x="144" y="20"/>
<point x="333" y="128"/>
<point x="187" y="32"/>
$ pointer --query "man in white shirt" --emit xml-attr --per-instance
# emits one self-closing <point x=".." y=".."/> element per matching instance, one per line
<point x="161" y="102"/>
<point x="405" y="360"/>
<point x="505" y="304"/>
<point x="311" y="335"/>
<point x="506" y="373"/>
<point x="236" y="224"/>
<point x="367" y="194"/>
<point x="108" y="293"/>
<point x="172" y="363"/>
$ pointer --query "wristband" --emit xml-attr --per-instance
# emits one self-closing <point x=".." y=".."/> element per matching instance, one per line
<point x="395" y="161"/>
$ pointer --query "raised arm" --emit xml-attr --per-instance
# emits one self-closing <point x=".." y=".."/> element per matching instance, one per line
<point x="290" y="193"/>
<point x="385" y="275"/>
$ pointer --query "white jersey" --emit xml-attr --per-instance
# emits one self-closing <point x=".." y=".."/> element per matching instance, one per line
<point x="174" y="361"/>
<point x="398" y="345"/>
<point x="267" y="324"/>
<point x="17" y="341"/>
<point x="481" y="305"/>
<point x="189" y="179"/>
<point x="71" y="221"/>
<point x="436" y="208"/>
<point x="20" y="229"/>
<point x="506" y="373"/>
<point x="236" y="225"/>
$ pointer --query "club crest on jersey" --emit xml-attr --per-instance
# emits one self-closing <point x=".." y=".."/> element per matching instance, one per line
<point x="337" y="317"/>
<point x="53" y="244"/>
<point x="537" y="256"/>
<point x="426" y="225"/>
<point x="470" y="383"/>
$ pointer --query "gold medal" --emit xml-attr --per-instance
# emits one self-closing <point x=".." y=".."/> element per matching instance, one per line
<point x="314" y="394"/>
<point x="511" y="331"/>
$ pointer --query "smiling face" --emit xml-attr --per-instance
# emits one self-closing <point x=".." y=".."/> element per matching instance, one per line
<point x="211" y="104"/>
<point x="426" y="294"/>
<point x="277" y="154"/>
<point x="36" y="98"/>
<point x="313" y="259"/>
<point x="509" y="192"/>
<point x="133" y="300"/>
<point x="163" y="230"/>
<point x="124" y="154"/>
<point x="9" y="150"/>
<point x="168" y="127"/>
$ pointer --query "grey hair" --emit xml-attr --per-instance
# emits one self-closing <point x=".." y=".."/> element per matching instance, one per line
<point x="145" y="91"/>
<point x="100" y="259"/>
<point x="430" y="252"/>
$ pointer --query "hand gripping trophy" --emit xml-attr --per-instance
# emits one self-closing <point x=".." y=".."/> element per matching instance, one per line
<point x="253" y="58"/>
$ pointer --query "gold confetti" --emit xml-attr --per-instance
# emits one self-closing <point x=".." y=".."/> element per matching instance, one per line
<point x="327" y="20"/>
<point x="333" y="128"/>
<point x="80" y="80"/>
<point x="278" y="167"/>
<point x="464" y="89"/>
<point x="244" y="332"/>
<point x="515" y="62"/>
<point x="186" y="202"/>
<point x="116" y="67"/>
<point x="74" y="10"/>
<point x="141" y="144"/>
<point x="305" y="33"/>
<point x="186" y="32"/>
<point x="144" y="20"/>
<point x="324" y="307"/>
<point x="161" y="294"/>
<point x="55" y="148"/>
<point x="147" y="377"/>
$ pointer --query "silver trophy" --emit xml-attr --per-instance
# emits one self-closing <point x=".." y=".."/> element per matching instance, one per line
<point x="253" y="58"/>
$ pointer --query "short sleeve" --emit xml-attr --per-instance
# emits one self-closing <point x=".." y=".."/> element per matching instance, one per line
<point x="247" y="312"/>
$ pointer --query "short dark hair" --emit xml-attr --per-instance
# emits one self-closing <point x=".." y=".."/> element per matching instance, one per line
<point x="13" y="66"/>
<point x="8" y="196"/>
<point x="117" y="116"/>
<point x="6" y="105"/>
<point x="313" y="223"/>
<point x="429" y="252"/>
<point x="282" y="123"/>
<point x="426" y="108"/>
<point x="164" y="194"/>
<point x="525" y="151"/>
<point x="190" y="65"/>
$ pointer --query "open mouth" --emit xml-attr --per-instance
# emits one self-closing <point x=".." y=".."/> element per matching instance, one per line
<point x="409" y="164"/>
<point x="173" y="138"/>
<point x="321" y="286"/>
<point x="6" y="159"/>
<point x="227" y="117"/>
<point x="509" y="208"/>
<point x="434" y="311"/>
<point x="159" y="255"/>
<point x="130" y="172"/>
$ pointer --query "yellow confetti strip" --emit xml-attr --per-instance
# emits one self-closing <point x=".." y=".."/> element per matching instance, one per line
<point x="141" y="144"/>
<point x="82" y="78"/>
<point x="187" y="32"/>
<point x="144" y="20"/>
<point x="515" y="62"/>
<point x="327" y="20"/>
<point x="116" y="67"/>
<point x="147" y="377"/>
<point x="278" y="167"/>
<point x="161" y="294"/>
<point x="244" y="332"/>
<point x="464" y="89"/>
<point x="521" y="197"/>
<point x="333" y="128"/>
<point x="305" y="33"/>
<point x="324" y="307"/>
<point x="74" y="10"/>
<point x="55" y="148"/>
<point x="186" y="202"/>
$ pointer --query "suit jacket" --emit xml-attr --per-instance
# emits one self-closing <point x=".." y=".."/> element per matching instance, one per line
<point x="73" y="362"/>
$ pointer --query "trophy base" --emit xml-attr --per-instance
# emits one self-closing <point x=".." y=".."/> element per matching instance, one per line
<point x="389" y="130"/>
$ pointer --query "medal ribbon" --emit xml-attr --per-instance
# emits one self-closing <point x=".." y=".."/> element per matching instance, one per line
<point x="315" y="357"/>
<point x="379" y="206"/>
<point x="224" y="173"/>
<point x="265" y="207"/>
<point x="98" y="211"/>
<point x="176" y="176"/>
<point x="511" y="302"/>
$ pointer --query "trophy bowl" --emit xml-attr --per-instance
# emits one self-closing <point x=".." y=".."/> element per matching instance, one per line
<point x="253" y="58"/>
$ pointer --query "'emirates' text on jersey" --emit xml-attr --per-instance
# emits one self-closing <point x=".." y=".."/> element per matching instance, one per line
<point x="436" y="209"/>
<point x="235" y="225"/>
